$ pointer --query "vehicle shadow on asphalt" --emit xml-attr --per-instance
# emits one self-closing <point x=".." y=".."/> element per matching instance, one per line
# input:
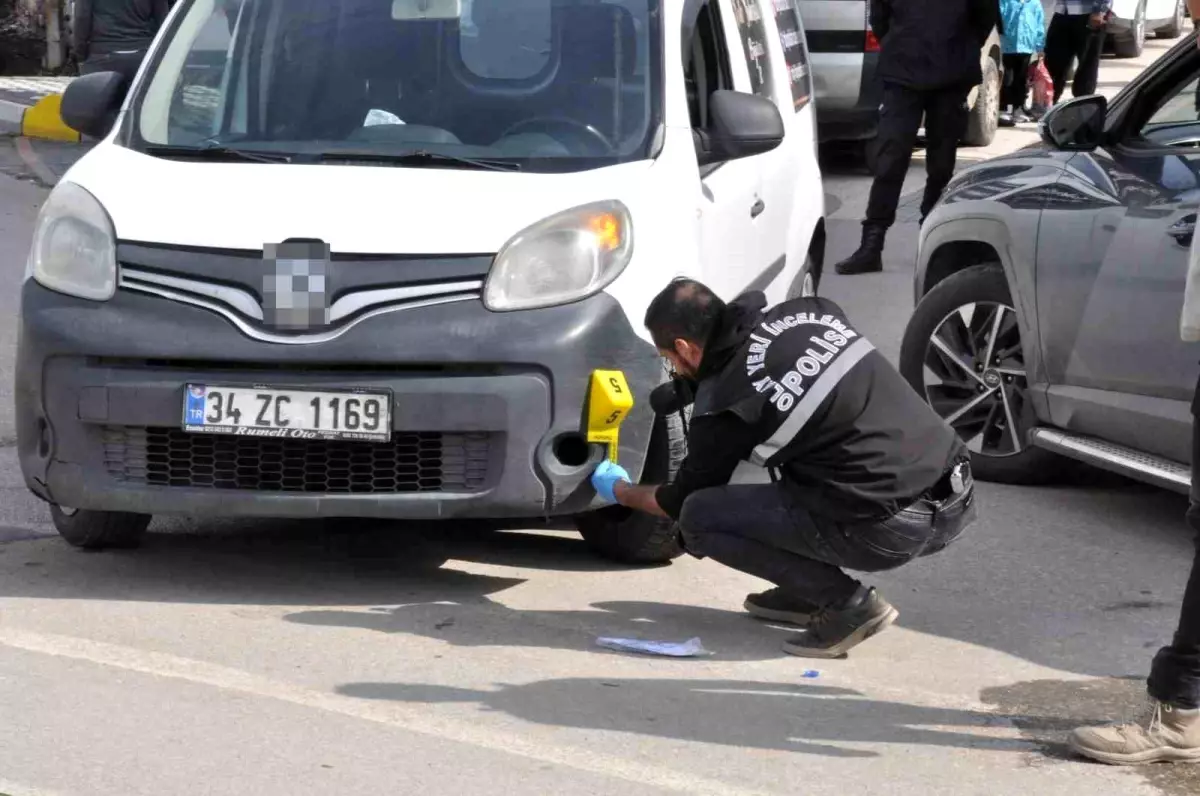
<point x="808" y="719"/>
<point x="291" y="563"/>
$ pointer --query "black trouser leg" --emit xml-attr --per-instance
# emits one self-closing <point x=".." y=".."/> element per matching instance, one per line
<point x="124" y="63"/>
<point x="1175" y="675"/>
<point x="756" y="529"/>
<point x="945" y="123"/>
<point x="1016" y="81"/>
<point x="1060" y="51"/>
<point x="1087" y="71"/>
<point x="899" y="121"/>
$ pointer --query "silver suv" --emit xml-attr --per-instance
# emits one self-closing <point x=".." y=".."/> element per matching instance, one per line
<point x="844" y="55"/>
<point x="1049" y="285"/>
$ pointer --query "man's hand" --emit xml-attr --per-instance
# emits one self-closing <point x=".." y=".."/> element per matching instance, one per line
<point x="1098" y="20"/>
<point x="606" y="477"/>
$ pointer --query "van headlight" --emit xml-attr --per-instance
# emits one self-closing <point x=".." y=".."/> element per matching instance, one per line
<point x="564" y="258"/>
<point x="74" y="246"/>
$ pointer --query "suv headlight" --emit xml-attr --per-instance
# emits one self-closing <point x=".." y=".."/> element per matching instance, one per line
<point x="564" y="258"/>
<point x="74" y="245"/>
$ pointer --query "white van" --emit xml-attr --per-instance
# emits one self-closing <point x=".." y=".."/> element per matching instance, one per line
<point x="360" y="258"/>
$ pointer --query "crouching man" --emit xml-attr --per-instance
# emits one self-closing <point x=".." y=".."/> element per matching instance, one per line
<point x="864" y="475"/>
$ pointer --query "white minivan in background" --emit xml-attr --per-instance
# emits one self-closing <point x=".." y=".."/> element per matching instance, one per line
<point x="361" y="258"/>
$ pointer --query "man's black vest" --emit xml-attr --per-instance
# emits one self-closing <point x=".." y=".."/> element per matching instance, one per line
<point x="830" y="414"/>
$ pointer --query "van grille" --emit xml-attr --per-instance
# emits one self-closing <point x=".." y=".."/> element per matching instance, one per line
<point x="409" y="462"/>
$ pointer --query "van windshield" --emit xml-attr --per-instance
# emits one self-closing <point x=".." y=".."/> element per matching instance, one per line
<point x="537" y="85"/>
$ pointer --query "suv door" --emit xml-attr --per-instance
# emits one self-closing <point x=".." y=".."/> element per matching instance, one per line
<point x="730" y="202"/>
<point x="1111" y="272"/>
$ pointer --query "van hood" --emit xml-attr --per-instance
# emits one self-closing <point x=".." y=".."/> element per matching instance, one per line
<point x="368" y="209"/>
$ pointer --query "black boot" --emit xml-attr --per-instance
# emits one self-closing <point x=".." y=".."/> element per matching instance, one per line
<point x="869" y="257"/>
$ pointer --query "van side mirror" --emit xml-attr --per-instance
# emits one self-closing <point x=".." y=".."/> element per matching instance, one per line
<point x="91" y="103"/>
<point x="1076" y="125"/>
<point x="740" y="126"/>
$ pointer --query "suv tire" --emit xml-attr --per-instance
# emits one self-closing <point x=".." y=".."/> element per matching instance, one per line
<point x="631" y="537"/>
<point x="96" y="530"/>
<point x="984" y="116"/>
<point x="978" y="286"/>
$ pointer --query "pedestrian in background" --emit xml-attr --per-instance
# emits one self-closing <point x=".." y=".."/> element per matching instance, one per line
<point x="928" y="62"/>
<point x="113" y="35"/>
<point x="1077" y="31"/>
<point x="1023" y="23"/>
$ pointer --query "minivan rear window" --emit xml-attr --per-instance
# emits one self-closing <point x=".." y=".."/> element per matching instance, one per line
<point x="548" y="85"/>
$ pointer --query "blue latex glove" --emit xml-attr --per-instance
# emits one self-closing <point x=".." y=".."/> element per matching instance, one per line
<point x="606" y="477"/>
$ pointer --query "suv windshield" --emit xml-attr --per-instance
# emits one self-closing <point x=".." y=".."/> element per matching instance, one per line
<point x="540" y="85"/>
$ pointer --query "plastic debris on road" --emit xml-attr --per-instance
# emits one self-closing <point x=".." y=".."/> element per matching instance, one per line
<point x="692" y="648"/>
<point x="810" y="674"/>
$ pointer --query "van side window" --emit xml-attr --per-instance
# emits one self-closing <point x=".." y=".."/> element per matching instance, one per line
<point x="708" y="64"/>
<point x="753" y="30"/>
<point x="795" y="51"/>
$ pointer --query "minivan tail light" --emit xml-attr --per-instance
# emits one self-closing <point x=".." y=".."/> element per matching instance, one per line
<point x="872" y="43"/>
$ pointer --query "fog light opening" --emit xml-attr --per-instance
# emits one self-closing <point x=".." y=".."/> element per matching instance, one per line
<point x="43" y="438"/>
<point x="571" y="450"/>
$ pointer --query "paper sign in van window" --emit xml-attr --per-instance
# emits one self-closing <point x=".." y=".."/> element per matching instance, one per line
<point x="748" y="14"/>
<point x="791" y="37"/>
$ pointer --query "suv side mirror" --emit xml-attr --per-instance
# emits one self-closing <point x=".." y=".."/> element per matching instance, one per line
<point x="1076" y="125"/>
<point x="91" y="103"/>
<point x="740" y="126"/>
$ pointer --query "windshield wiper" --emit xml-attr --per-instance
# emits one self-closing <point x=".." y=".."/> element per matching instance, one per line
<point x="418" y="157"/>
<point x="216" y="152"/>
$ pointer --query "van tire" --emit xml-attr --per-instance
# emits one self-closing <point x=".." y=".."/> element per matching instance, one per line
<point x="983" y="119"/>
<point x="630" y="537"/>
<point x="807" y="281"/>
<point x="97" y="530"/>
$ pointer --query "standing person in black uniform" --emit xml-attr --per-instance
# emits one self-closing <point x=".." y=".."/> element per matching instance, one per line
<point x="864" y="474"/>
<point x="1077" y="31"/>
<point x="114" y="35"/>
<point x="929" y="62"/>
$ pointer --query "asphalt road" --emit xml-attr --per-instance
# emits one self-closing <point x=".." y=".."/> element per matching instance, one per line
<point x="265" y="657"/>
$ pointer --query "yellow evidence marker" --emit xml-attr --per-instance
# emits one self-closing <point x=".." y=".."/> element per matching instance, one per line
<point x="609" y="402"/>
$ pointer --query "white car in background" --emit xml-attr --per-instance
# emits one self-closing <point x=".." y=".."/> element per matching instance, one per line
<point x="1132" y="20"/>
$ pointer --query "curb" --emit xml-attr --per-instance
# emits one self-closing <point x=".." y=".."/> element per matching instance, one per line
<point x="41" y="120"/>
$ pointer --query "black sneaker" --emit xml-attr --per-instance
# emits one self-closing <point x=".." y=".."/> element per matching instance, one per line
<point x="776" y="605"/>
<point x="834" y="632"/>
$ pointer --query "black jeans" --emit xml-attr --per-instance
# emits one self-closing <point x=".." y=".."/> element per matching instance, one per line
<point x="945" y="113"/>
<point x="760" y="529"/>
<point x="1175" y="675"/>
<point x="1070" y="37"/>
<point x="124" y="63"/>
<point x="1016" y="81"/>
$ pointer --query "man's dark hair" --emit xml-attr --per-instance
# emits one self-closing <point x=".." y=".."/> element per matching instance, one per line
<point x="684" y="310"/>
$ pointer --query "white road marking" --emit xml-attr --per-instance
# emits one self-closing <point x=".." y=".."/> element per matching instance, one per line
<point x="419" y="720"/>
<point x="12" y="789"/>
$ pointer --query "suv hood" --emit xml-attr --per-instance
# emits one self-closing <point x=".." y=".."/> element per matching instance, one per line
<point x="368" y="209"/>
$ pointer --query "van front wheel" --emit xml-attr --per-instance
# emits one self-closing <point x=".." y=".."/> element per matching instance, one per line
<point x="628" y="536"/>
<point x="96" y="530"/>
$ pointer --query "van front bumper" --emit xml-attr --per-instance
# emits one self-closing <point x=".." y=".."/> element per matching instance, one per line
<point x="488" y="410"/>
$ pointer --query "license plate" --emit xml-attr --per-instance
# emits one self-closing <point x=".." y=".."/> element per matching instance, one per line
<point x="297" y="414"/>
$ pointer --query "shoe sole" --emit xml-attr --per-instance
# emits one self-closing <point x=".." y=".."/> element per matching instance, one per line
<point x="872" y="628"/>
<point x="1167" y="755"/>
<point x="771" y="615"/>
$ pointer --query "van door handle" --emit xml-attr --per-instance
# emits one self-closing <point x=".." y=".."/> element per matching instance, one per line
<point x="1183" y="229"/>
<point x="757" y="208"/>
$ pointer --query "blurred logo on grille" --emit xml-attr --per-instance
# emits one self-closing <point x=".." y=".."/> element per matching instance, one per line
<point x="294" y="288"/>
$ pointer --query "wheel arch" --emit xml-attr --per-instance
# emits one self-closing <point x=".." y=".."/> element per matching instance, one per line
<point x="960" y="243"/>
